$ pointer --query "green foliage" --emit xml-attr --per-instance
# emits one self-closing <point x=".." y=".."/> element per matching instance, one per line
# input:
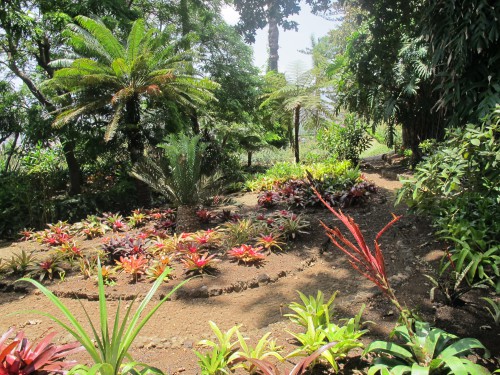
<point x="283" y="171"/>
<point x="218" y="361"/>
<point x="264" y="349"/>
<point x="427" y="350"/>
<point x="312" y="307"/>
<point x="181" y="181"/>
<point x="458" y="186"/>
<point x="464" y="40"/>
<point x="107" y="348"/>
<point x="454" y="284"/>
<point x="345" y="338"/>
<point x="493" y="309"/>
<point x="345" y="141"/>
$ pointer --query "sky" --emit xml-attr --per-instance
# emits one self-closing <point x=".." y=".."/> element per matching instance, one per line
<point x="290" y="41"/>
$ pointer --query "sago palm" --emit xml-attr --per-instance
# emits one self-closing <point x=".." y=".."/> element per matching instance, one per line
<point x="179" y="177"/>
<point x="115" y="78"/>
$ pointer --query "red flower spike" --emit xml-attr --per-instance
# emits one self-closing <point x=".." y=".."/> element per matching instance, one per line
<point x="370" y="264"/>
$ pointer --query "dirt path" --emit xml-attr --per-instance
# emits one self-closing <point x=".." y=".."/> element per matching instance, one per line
<point x="167" y="341"/>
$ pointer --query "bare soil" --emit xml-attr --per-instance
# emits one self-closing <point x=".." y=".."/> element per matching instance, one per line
<point x="257" y="297"/>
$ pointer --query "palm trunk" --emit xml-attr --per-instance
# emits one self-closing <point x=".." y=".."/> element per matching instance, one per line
<point x="75" y="176"/>
<point x="296" y="128"/>
<point x="273" y="40"/>
<point x="136" y="148"/>
<point x="249" y="158"/>
<point x="187" y="221"/>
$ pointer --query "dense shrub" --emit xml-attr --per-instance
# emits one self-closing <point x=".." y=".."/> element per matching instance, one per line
<point x="458" y="185"/>
<point x="281" y="172"/>
<point x="345" y="141"/>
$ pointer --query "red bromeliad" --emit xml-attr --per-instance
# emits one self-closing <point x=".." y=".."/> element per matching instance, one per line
<point x="246" y="254"/>
<point x="198" y="263"/>
<point x="370" y="264"/>
<point x="133" y="265"/>
<point x="22" y="358"/>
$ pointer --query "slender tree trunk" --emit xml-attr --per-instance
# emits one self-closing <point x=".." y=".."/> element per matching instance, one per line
<point x="273" y="40"/>
<point x="195" y="125"/>
<point x="11" y="152"/>
<point x="136" y="148"/>
<point x="249" y="158"/>
<point x="296" y="128"/>
<point x="75" y="177"/>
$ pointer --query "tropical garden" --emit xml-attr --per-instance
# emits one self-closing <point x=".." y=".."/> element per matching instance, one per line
<point x="167" y="207"/>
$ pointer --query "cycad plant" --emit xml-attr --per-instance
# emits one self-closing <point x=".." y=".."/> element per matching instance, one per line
<point x="180" y="180"/>
<point x="123" y="77"/>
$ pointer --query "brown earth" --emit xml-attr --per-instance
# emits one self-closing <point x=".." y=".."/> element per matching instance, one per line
<point x="256" y="297"/>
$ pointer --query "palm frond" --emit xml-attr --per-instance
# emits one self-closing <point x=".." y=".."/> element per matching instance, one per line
<point x="103" y="35"/>
<point x="134" y="40"/>
<point x="113" y="125"/>
<point x="73" y="113"/>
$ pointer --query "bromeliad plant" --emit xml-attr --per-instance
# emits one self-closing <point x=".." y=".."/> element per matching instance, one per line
<point x="270" y="241"/>
<point x="246" y="254"/>
<point x="219" y="360"/>
<point x="25" y="358"/>
<point x="197" y="263"/>
<point x="109" y="344"/>
<point x="311" y="307"/>
<point x="426" y="350"/>
<point x="265" y="348"/>
<point x="134" y="265"/>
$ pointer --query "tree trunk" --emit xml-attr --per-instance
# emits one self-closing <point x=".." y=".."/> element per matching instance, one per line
<point x="273" y="40"/>
<point x="187" y="221"/>
<point x="11" y="152"/>
<point x="195" y="124"/>
<point x="136" y="148"/>
<point x="249" y="158"/>
<point x="75" y="177"/>
<point x="296" y="128"/>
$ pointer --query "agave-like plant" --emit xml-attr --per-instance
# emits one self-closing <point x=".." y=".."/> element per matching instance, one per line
<point x="25" y="358"/>
<point x="181" y="180"/>
<point x="107" y="345"/>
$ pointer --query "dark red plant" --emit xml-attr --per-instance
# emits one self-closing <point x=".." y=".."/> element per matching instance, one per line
<point x="22" y="358"/>
<point x="268" y="199"/>
<point x="205" y="216"/>
<point x="370" y="264"/>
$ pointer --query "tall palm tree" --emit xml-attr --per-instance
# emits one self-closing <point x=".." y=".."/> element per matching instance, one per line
<point x="303" y="98"/>
<point x="115" y="77"/>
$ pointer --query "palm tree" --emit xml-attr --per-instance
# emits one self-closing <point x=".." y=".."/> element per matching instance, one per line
<point x="179" y="177"/>
<point x="117" y="78"/>
<point x="303" y="98"/>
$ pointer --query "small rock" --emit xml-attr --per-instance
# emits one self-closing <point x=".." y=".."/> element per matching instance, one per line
<point x="389" y="313"/>
<point x="263" y="278"/>
<point x="253" y="284"/>
<point x="188" y="344"/>
<point x="150" y="345"/>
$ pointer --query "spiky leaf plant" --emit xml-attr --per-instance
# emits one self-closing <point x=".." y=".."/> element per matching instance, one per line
<point x="107" y="347"/>
<point x="181" y="180"/>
